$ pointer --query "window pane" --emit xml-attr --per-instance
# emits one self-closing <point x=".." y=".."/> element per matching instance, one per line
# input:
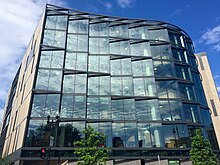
<point x="69" y="133"/>
<point x="54" y="38"/>
<point x="74" y="83"/>
<point x="49" y="80"/>
<point x="73" y="106"/>
<point x="56" y="22"/>
<point x="45" y="104"/>
<point x="76" y="61"/>
<point x="51" y="59"/>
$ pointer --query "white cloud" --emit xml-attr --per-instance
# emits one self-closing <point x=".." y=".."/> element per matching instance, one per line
<point x="18" y="21"/>
<point x="107" y="5"/>
<point x="125" y="3"/>
<point x="212" y="37"/>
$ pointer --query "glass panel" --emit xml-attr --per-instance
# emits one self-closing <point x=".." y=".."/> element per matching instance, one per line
<point x="56" y="22"/>
<point x="69" y="133"/>
<point x="131" y="135"/>
<point x="147" y="110"/>
<point x="105" y="128"/>
<point x="139" y="32"/>
<point x="77" y="42"/>
<point x="99" y="108"/>
<point x="160" y="34"/>
<point x="38" y="134"/>
<point x="99" y="85"/>
<point x="118" y="135"/>
<point x="164" y="68"/>
<point x="150" y="135"/>
<point x="176" y="136"/>
<point x="117" y="110"/>
<point x="99" y="29"/>
<point x="45" y="104"/>
<point x="49" y="80"/>
<point x="54" y="38"/>
<point x="191" y="113"/>
<point x="129" y="109"/>
<point x="78" y="26"/>
<point x="144" y="87"/>
<point x="186" y="92"/>
<point x="119" y="31"/>
<point x="75" y="83"/>
<point x="180" y="55"/>
<point x="175" y="38"/>
<point x="51" y="59"/>
<point x="99" y="64"/>
<point x="73" y="106"/>
<point x="128" y="87"/>
<point x="76" y="61"/>
<point x="183" y="72"/>
<point x="140" y="49"/>
<point x="206" y="116"/>
<point x="161" y="52"/>
<point x="142" y="68"/>
<point x="99" y="45"/>
<point x="120" y="48"/>
<point x="167" y="89"/>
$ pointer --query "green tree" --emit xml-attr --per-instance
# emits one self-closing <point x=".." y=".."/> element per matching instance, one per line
<point x="201" y="152"/>
<point x="91" y="150"/>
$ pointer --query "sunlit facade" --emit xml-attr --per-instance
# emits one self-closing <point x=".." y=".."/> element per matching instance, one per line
<point x="134" y="80"/>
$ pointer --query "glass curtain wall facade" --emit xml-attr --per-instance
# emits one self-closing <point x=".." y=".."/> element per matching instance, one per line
<point x="134" y="80"/>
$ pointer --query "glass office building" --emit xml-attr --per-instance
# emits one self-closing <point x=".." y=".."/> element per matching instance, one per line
<point x="134" y="80"/>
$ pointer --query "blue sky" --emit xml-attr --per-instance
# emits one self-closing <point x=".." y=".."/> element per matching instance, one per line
<point x="199" y="18"/>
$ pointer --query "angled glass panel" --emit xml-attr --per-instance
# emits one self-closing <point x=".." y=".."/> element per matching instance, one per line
<point x="49" y="80"/>
<point x="70" y="132"/>
<point x="142" y="68"/>
<point x="176" y="136"/>
<point x="161" y="52"/>
<point x="119" y="31"/>
<point x="51" y="59"/>
<point x="105" y="128"/>
<point x="45" y="104"/>
<point x="191" y="113"/>
<point x="99" y="29"/>
<point x="73" y="106"/>
<point x="99" y="64"/>
<point x="160" y="34"/>
<point x="167" y="89"/>
<point x="78" y="26"/>
<point x="131" y="135"/>
<point x="129" y="109"/>
<point x="118" y="135"/>
<point x="99" y="45"/>
<point x="120" y="48"/>
<point x="75" y="83"/>
<point x="99" y="85"/>
<point x="187" y="92"/>
<point x="206" y="116"/>
<point x="77" y="42"/>
<point x="183" y="72"/>
<point x="139" y="32"/>
<point x="147" y="110"/>
<point x="98" y="108"/>
<point x="56" y="22"/>
<point x="150" y="135"/>
<point x="164" y="68"/>
<point x="175" y="38"/>
<point x="117" y="109"/>
<point x="76" y="61"/>
<point x="116" y="86"/>
<point x="54" y="38"/>
<point x="128" y="86"/>
<point x="140" y="49"/>
<point x="38" y="134"/>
